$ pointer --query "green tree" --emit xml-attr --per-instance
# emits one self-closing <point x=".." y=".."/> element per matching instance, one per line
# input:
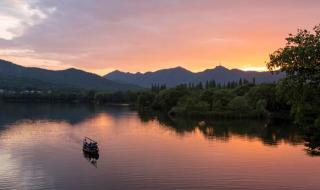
<point x="192" y="104"/>
<point x="261" y="106"/>
<point x="300" y="60"/>
<point x="206" y="96"/>
<point x="169" y="98"/>
<point x="265" y="92"/>
<point x="145" y="99"/>
<point x="221" y="98"/>
<point x="239" y="104"/>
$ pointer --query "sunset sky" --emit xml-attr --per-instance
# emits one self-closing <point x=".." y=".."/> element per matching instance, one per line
<point x="146" y="35"/>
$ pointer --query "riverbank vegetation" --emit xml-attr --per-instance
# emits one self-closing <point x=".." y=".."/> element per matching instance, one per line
<point x="246" y="100"/>
<point x="70" y="96"/>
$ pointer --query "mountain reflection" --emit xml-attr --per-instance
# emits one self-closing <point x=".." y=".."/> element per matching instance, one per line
<point x="71" y="113"/>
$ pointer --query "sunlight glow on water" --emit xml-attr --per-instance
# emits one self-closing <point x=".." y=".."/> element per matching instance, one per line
<point x="41" y="149"/>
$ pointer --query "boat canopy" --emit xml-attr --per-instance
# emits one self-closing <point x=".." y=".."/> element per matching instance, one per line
<point x="87" y="139"/>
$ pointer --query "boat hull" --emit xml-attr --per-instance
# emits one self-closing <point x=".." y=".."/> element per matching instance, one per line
<point x="92" y="151"/>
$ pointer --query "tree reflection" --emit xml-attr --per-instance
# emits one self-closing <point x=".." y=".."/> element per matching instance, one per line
<point x="269" y="133"/>
<point x="312" y="141"/>
<point x="180" y="126"/>
<point x="92" y="158"/>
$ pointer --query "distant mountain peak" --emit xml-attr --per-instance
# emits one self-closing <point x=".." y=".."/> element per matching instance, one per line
<point x="179" y="68"/>
<point x="73" y="69"/>
<point x="220" y="67"/>
<point x="117" y="71"/>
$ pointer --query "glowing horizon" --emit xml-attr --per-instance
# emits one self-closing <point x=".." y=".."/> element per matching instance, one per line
<point x="102" y="36"/>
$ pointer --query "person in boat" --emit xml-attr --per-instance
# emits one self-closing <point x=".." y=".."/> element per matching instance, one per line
<point x="90" y="145"/>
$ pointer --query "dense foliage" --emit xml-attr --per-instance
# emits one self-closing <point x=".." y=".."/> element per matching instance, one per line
<point x="300" y="59"/>
<point x="240" y="100"/>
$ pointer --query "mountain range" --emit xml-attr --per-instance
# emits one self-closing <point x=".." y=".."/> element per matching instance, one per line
<point x="14" y="76"/>
<point x="178" y="75"/>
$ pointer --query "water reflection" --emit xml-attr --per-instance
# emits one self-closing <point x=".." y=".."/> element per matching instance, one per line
<point x="91" y="157"/>
<point x="312" y="141"/>
<point x="40" y="149"/>
<point x="73" y="114"/>
<point x="268" y="132"/>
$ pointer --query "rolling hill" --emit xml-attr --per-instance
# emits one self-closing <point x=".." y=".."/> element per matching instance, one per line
<point x="14" y="76"/>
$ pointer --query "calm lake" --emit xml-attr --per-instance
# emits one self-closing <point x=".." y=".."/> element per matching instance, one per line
<point x="41" y="148"/>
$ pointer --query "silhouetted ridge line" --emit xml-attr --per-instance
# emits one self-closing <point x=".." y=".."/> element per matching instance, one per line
<point x="179" y="75"/>
<point x="16" y="77"/>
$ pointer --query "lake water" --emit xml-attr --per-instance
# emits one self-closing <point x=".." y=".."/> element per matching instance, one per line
<point x="41" y="148"/>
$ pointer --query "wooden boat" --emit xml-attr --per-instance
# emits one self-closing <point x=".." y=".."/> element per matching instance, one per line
<point x="90" y="146"/>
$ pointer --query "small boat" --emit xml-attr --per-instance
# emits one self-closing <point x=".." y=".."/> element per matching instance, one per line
<point x="90" y="146"/>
